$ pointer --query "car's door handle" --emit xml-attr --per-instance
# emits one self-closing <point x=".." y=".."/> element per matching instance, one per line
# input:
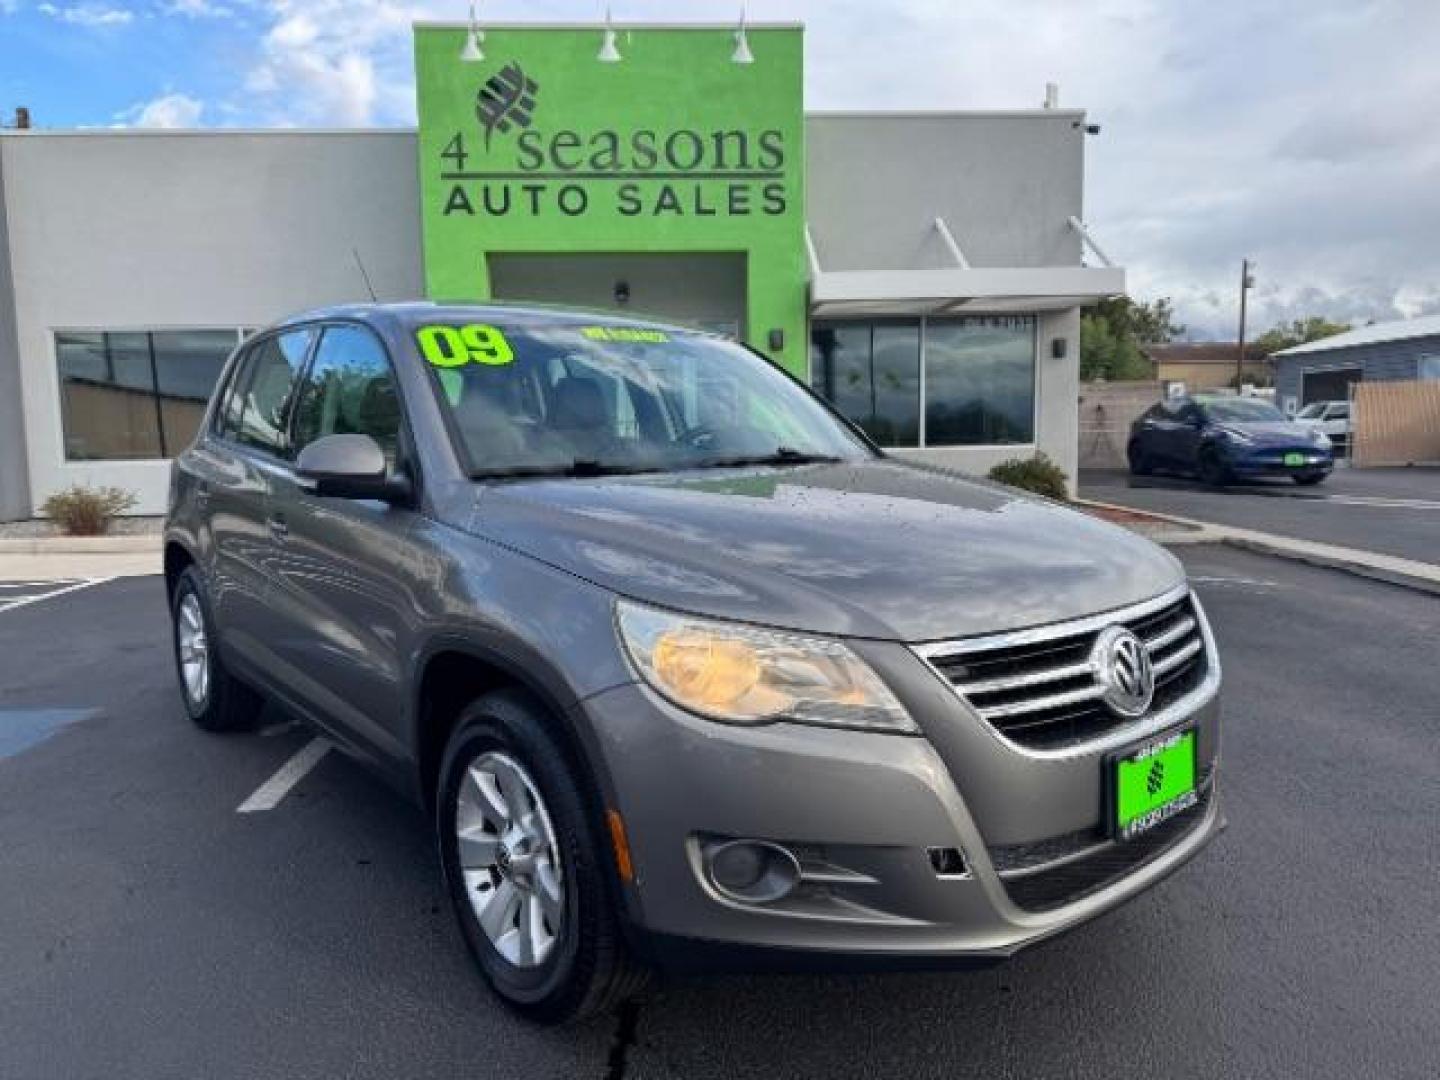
<point x="278" y="529"/>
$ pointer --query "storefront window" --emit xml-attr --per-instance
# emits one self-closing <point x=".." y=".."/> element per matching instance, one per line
<point x="187" y="366"/>
<point x="871" y="373"/>
<point x="136" y="395"/>
<point x="979" y="381"/>
<point x="979" y="385"/>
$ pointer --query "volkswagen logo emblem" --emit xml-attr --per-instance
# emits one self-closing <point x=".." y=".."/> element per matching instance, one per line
<point x="1122" y="667"/>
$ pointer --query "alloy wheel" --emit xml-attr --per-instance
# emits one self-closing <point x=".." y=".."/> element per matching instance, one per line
<point x="194" y="647"/>
<point x="509" y="859"/>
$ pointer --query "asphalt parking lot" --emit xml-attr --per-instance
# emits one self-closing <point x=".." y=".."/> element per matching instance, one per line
<point x="149" y="930"/>
<point x="1392" y="511"/>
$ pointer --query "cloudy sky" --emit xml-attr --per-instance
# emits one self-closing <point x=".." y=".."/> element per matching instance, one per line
<point x="1302" y="133"/>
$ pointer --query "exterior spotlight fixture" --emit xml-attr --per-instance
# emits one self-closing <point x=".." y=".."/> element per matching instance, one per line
<point x="472" y="53"/>
<point x="742" y="53"/>
<point x="609" y="50"/>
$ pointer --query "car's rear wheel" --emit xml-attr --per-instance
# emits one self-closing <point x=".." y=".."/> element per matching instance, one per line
<point x="526" y="868"/>
<point x="1140" y="464"/>
<point x="214" y="698"/>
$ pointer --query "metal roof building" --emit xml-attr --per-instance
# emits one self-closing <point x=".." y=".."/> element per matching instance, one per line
<point x="1323" y="370"/>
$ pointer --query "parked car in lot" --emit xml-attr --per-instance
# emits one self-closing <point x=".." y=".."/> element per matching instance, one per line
<point x="1220" y="438"/>
<point x="682" y="667"/>
<point x="1331" y="417"/>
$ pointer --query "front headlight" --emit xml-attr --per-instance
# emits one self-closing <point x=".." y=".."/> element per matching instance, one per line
<point x="1321" y="439"/>
<point x="744" y="675"/>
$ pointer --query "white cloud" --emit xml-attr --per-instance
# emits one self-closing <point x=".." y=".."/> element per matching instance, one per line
<point x="328" y="62"/>
<point x="198" y="9"/>
<point x="166" y="111"/>
<point x="89" y="14"/>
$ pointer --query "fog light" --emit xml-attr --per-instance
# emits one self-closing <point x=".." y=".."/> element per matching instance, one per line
<point x="752" y="871"/>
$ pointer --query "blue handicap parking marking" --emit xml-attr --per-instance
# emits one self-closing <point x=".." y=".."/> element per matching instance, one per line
<point x="21" y="729"/>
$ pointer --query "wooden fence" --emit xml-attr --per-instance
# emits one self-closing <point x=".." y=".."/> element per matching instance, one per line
<point x="1395" y="423"/>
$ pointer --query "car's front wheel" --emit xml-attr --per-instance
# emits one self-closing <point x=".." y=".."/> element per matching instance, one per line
<point x="1140" y="464"/>
<point x="214" y="698"/>
<point x="1212" y="470"/>
<point x="526" y="868"/>
<point x="1308" y="479"/>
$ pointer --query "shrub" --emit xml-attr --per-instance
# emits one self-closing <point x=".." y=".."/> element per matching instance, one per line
<point x="81" y="510"/>
<point x="1038" y="474"/>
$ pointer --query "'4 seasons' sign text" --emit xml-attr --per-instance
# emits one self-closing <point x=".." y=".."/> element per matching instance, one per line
<point x="642" y="172"/>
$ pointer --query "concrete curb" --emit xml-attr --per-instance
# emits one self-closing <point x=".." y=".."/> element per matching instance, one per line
<point x="80" y="545"/>
<point x="1407" y="573"/>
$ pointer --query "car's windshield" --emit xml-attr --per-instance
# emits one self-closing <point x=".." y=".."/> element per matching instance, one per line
<point x="1240" y="410"/>
<point x="1311" y="412"/>
<point x="538" y="397"/>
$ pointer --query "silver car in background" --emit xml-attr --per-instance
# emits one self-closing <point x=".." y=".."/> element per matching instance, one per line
<point x="1334" y="418"/>
<point x="685" y="671"/>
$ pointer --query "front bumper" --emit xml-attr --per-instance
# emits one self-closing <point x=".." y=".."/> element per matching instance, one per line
<point x="863" y="811"/>
<point x="1269" y="461"/>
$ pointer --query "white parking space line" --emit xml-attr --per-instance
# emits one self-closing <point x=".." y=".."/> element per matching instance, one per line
<point x="48" y="594"/>
<point x="1249" y="583"/>
<point x="1382" y="502"/>
<point x="268" y="795"/>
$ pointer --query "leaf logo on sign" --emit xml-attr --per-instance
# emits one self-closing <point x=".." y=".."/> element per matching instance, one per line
<point x="506" y="100"/>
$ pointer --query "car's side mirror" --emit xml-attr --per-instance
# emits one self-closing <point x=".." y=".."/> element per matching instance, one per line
<point x="350" y="467"/>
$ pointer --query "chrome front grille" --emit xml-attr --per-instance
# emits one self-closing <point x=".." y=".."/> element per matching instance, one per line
<point x="1040" y="688"/>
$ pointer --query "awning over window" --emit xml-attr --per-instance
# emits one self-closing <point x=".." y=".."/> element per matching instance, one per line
<point x="953" y="291"/>
<point x="960" y="288"/>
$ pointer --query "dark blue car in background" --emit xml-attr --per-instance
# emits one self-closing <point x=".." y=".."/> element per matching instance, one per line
<point x="1221" y="438"/>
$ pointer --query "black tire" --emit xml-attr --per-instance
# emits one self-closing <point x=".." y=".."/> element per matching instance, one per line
<point x="1139" y="460"/>
<point x="226" y="703"/>
<point x="588" y="968"/>
<point x="1308" y="479"/>
<point x="1212" y="470"/>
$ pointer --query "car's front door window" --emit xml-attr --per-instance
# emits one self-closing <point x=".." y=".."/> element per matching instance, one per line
<point x="349" y="390"/>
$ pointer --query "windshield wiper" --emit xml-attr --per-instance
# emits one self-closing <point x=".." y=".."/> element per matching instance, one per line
<point x="578" y="467"/>
<point x="781" y="455"/>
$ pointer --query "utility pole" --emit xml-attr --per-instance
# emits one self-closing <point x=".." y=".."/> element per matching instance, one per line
<point x="1247" y="282"/>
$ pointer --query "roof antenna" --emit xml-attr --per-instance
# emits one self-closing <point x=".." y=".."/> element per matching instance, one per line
<point x="361" y="264"/>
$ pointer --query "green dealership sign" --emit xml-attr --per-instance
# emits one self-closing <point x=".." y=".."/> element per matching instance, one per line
<point x="543" y="149"/>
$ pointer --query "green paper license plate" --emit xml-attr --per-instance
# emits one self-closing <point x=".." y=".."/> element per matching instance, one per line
<point x="1294" y="459"/>
<point x="1154" y="783"/>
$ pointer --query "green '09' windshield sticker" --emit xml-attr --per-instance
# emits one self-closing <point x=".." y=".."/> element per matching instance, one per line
<point x="625" y="334"/>
<point x="456" y="346"/>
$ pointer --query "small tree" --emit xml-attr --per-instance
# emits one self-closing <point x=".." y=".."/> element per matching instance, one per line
<point x="1298" y="332"/>
<point x="1114" y="333"/>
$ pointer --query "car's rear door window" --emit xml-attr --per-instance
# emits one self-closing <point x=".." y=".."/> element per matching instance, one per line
<point x="262" y="407"/>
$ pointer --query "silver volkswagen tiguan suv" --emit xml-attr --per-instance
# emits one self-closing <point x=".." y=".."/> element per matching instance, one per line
<point x="685" y="669"/>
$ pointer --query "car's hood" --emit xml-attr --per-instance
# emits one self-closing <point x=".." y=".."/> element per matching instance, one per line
<point x="872" y="549"/>
<point x="1273" y="432"/>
